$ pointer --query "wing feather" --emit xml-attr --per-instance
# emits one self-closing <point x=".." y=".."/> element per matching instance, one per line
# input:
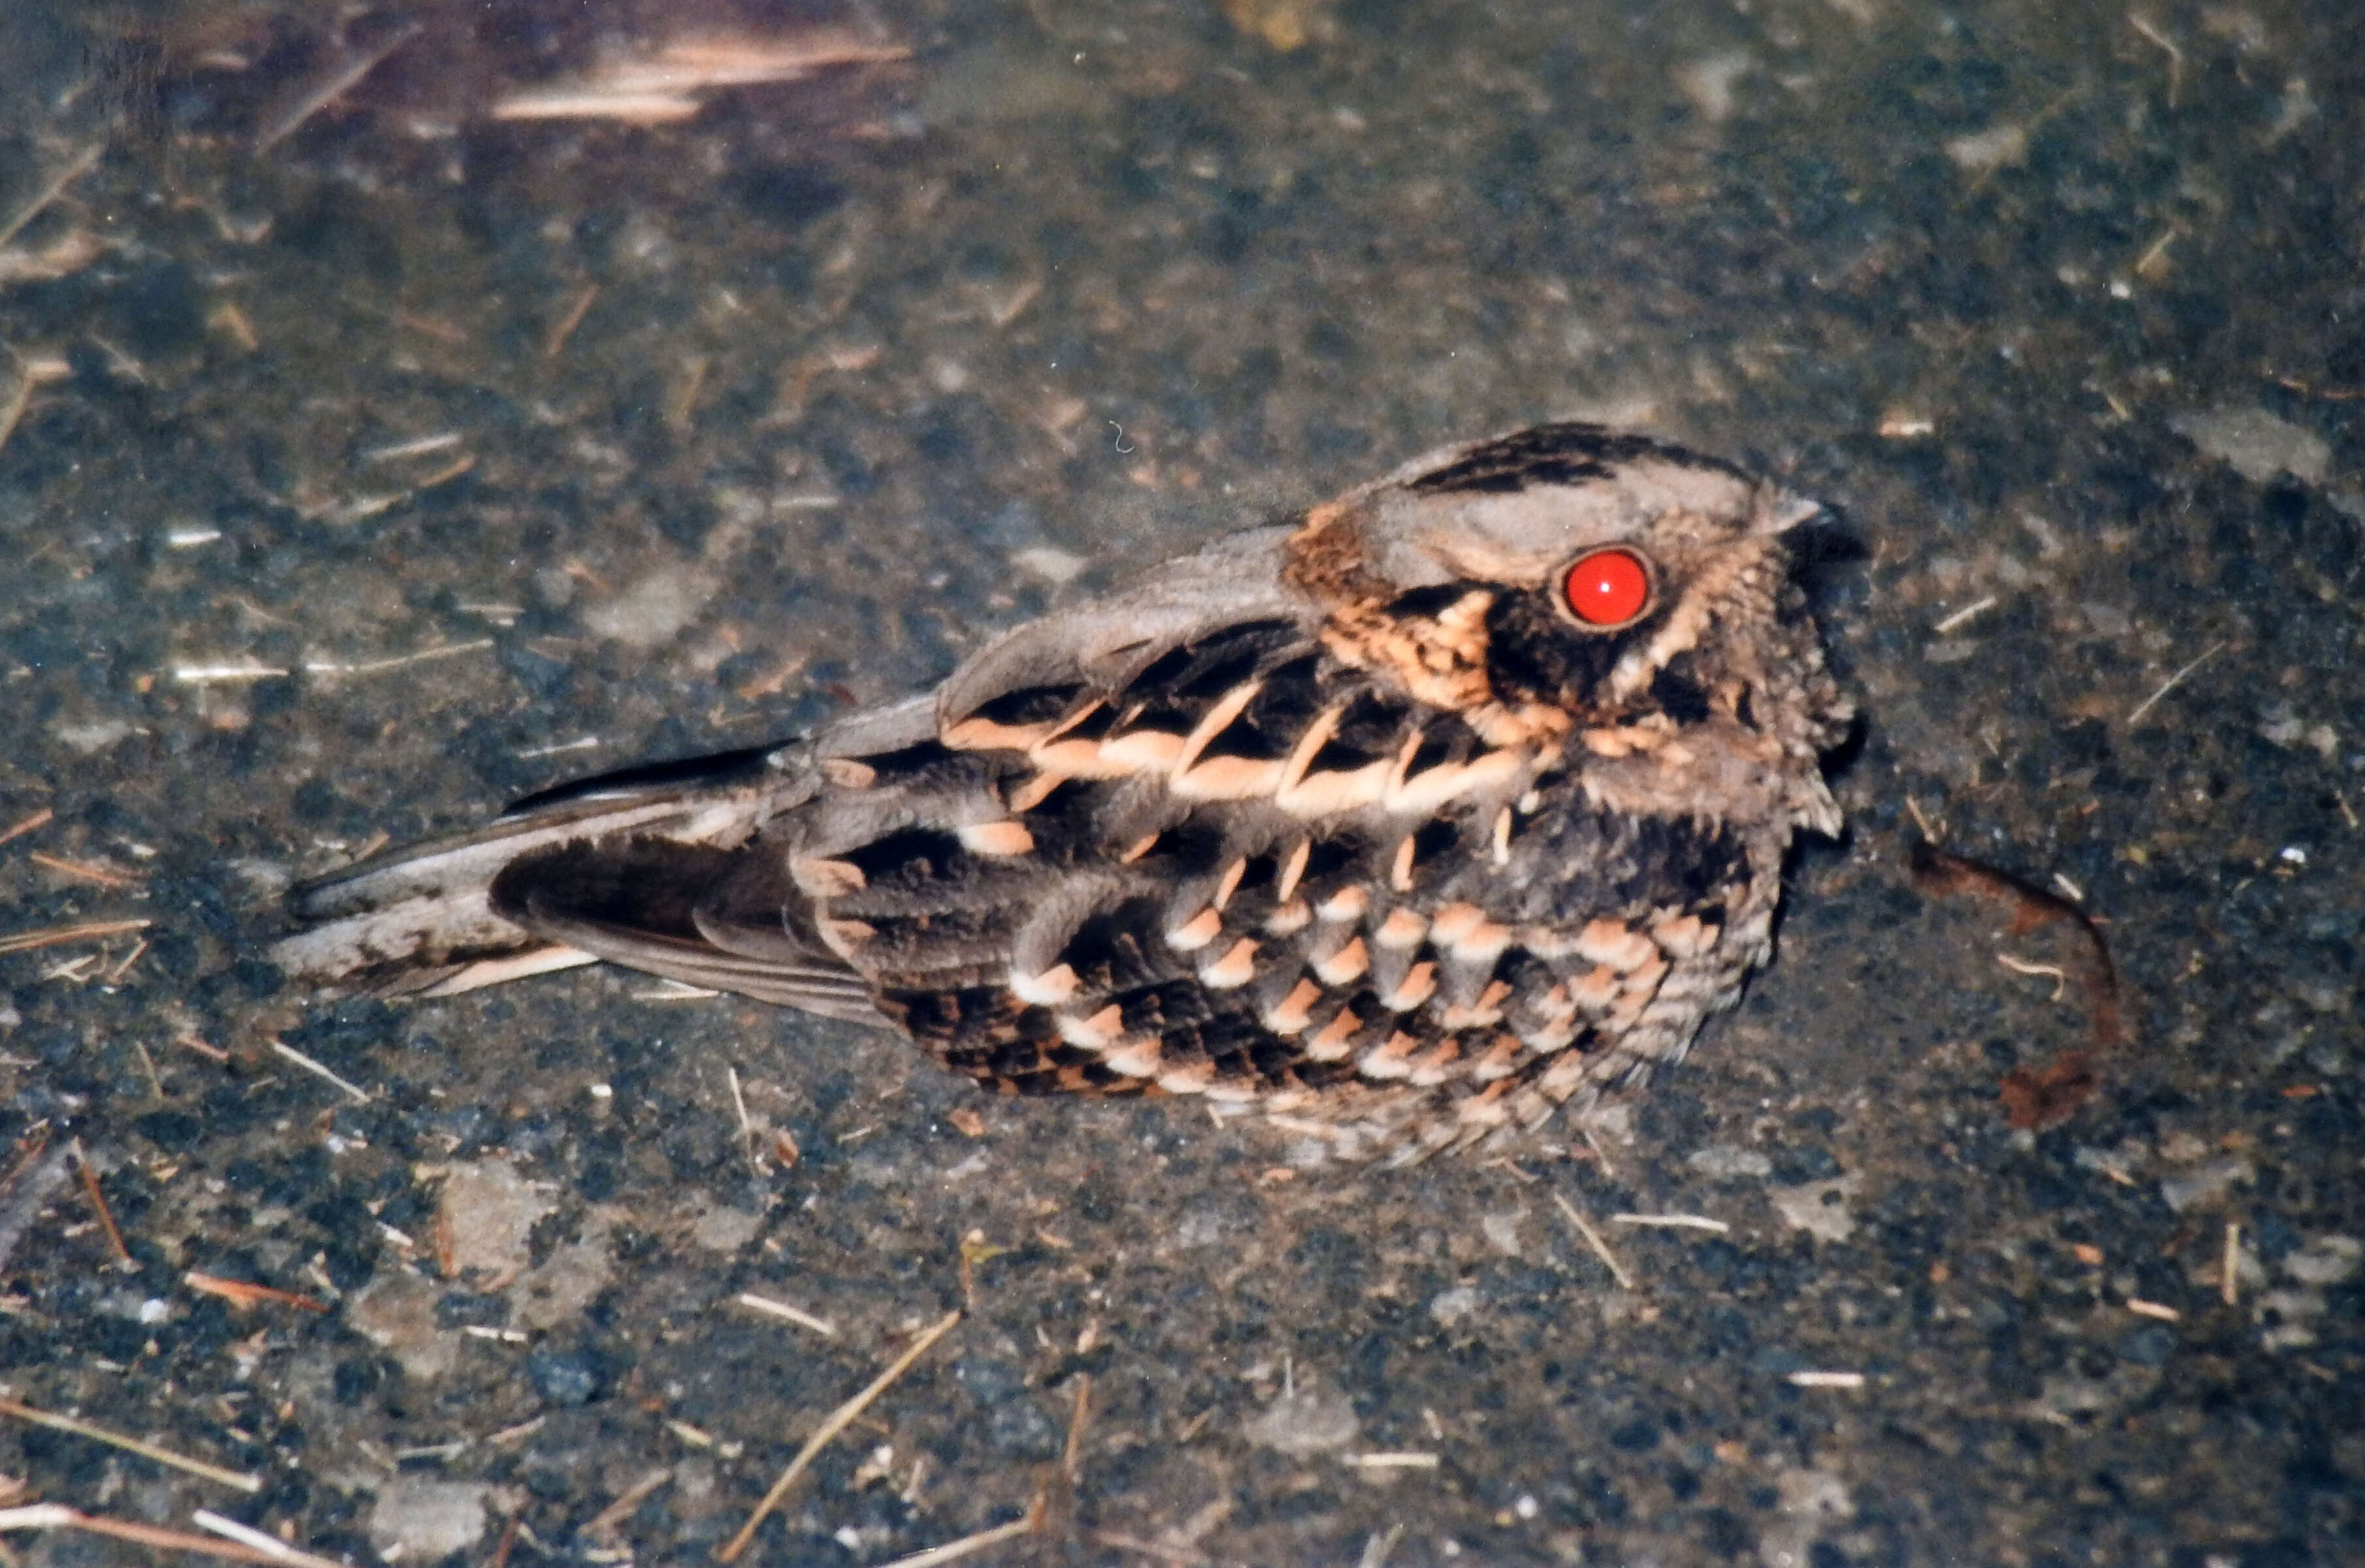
<point x="812" y="983"/>
<point x="1105" y="643"/>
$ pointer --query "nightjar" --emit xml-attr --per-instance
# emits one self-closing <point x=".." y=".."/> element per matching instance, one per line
<point x="1409" y="818"/>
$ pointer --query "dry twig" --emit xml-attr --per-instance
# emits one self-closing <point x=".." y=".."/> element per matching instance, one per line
<point x="835" y="1422"/>
<point x="2172" y="682"/>
<point x="84" y="870"/>
<point x="617" y="1512"/>
<point x="82" y="1428"/>
<point x="99" y="1202"/>
<point x="1673" y="1222"/>
<point x="244" y="1293"/>
<point x="665" y="85"/>
<point x="38" y="819"/>
<point x="1593" y="1240"/>
<point x="953" y="1551"/>
<point x="57" y="1515"/>
<point x="339" y="83"/>
<point x="55" y="186"/>
<point x="780" y="1309"/>
<point x="51" y="935"/>
<point x="283" y="1050"/>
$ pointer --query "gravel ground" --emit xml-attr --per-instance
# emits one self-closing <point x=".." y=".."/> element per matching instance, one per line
<point x="370" y="459"/>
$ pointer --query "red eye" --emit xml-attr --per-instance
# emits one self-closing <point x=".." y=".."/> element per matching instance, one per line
<point x="1608" y="588"/>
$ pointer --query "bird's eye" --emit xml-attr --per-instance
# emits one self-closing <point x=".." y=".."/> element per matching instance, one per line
<point x="1608" y="590"/>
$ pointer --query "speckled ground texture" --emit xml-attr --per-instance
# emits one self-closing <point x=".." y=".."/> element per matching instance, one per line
<point x="521" y="450"/>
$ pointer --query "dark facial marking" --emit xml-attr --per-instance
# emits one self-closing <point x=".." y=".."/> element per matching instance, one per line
<point x="1678" y="695"/>
<point x="1532" y="652"/>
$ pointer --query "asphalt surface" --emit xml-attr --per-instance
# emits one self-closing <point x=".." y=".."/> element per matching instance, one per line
<point x="370" y="459"/>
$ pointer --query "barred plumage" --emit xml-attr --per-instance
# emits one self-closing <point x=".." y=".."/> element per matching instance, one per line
<point x="1363" y="816"/>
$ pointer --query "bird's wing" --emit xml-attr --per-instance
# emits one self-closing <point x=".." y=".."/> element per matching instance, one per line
<point x="665" y="868"/>
<point x="904" y="792"/>
<point x="1106" y="642"/>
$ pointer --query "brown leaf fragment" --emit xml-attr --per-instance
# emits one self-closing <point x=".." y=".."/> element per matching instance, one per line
<point x="2047" y="1096"/>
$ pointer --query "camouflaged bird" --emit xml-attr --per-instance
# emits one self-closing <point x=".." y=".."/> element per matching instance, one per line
<point x="1412" y="817"/>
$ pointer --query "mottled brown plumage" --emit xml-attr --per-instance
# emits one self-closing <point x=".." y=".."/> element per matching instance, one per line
<point x="1351" y="816"/>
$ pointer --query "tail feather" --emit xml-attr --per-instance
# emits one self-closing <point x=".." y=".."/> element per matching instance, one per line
<point x="453" y="980"/>
<point x="659" y="870"/>
<point x="462" y="861"/>
<point x="420" y="920"/>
